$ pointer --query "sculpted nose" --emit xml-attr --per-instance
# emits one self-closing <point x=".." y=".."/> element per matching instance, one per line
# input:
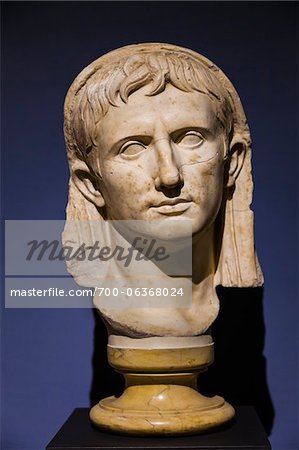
<point x="168" y="174"/>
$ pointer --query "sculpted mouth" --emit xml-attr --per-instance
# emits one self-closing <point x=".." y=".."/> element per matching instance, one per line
<point x="171" y="202"/>
<point x="173" y="207"/>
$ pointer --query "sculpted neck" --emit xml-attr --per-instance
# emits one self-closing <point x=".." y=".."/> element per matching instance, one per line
<point x="203" y="256"/>
<point x="192" y="320"/>
<point x="205" y="303"/>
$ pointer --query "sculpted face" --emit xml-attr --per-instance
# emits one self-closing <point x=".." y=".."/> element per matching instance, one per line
<point x="162" y="157"/>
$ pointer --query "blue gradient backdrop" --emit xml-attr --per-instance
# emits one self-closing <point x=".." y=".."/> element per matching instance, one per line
<point x="46" y="354"/>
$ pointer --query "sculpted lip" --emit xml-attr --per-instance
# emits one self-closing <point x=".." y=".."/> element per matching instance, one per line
<point x="173" y="206"/>
<point x="171" y="202"/>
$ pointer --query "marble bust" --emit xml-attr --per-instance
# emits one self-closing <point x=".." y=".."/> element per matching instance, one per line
<point x="157" y="132"/>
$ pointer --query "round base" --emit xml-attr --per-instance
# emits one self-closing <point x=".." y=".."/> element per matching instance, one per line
<point x="161" y="409"/>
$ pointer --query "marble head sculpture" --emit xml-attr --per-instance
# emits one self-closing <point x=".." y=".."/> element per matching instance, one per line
<point x="157" y="131"/>
<point x="180" y="104"/>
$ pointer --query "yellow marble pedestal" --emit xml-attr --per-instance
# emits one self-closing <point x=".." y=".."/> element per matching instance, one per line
<point x="161" y="394"/>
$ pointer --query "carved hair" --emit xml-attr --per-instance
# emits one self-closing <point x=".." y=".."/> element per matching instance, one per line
<point x="110" y="80"/>
<point x="127" y="75"/>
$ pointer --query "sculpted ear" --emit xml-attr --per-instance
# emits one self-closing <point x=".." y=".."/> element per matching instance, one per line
<point x="87" y="184"/>
<point x="236" y="159"/>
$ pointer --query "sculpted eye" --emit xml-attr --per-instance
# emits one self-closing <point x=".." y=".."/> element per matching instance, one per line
<point x="132" y="148"/>
<point x="190" y="139"/>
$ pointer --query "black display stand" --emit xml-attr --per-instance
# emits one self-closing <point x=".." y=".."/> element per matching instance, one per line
<point x="245" y="433"/>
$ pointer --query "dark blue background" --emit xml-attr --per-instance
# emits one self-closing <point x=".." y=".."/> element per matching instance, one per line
<point x="46" y="354"/>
